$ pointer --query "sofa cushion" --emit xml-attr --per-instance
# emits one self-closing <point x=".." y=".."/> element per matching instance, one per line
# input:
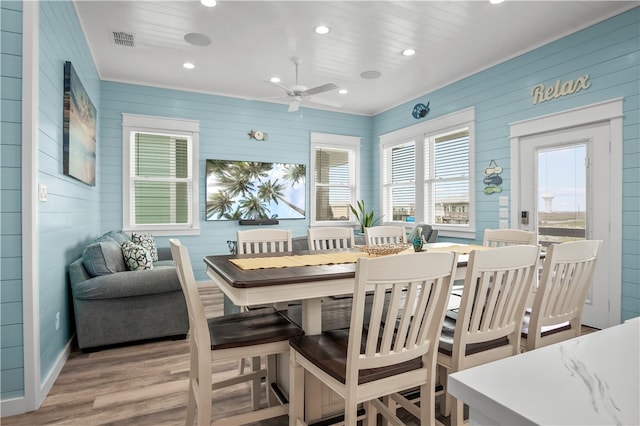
<point x="146" y="241"/>
<point x="136" y="257"/>
<point x="118" y="236"/>
<point x="103" y="257"/>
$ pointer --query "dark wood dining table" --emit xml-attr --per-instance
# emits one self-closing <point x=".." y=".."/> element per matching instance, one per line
<point x="309" y="284"/>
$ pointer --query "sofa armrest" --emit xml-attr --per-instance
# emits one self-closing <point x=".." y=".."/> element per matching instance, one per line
<point x="162" y="279"/>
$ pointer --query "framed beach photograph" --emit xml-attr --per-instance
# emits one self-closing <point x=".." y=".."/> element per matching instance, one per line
<point x="79" y="134"/>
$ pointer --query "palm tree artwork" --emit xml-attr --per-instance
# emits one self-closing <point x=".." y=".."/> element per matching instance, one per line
<point x="255" y="190"/>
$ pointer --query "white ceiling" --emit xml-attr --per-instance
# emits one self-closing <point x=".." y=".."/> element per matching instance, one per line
<point x="255" y="40"/>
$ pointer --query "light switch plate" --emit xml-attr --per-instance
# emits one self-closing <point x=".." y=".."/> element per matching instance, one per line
<point x="504" y="224"/>
<point x="503" y="200"/>
<point x="503" y="213"/>
<point x="42" y="192"/>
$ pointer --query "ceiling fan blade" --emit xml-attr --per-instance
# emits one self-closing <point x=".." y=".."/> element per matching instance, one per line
<point x="283" y="87"/>
<point x="325" y="101"/>
<point x="294" y="105"/>
<point x="322" y="88"/>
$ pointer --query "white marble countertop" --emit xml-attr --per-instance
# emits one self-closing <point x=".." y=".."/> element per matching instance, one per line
<point x="590" y="380"/>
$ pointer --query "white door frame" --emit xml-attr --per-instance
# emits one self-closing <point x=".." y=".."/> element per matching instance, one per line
<point x="609" y="111"/>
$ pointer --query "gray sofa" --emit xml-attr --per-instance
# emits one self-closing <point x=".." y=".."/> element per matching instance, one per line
<point x="113" y="305"/>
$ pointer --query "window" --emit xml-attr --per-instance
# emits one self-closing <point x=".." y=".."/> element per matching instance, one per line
<point x="160" y="175"/>
<point x="426" y="174"/>
<point x="335" y="161"/>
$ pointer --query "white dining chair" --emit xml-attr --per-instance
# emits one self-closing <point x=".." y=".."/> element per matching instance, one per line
<point x="385" y="234"/>
<point x="486" y="326"/>
<point x="330" y="238"/>
<point x="508" y="237"/>
<point x="556" y="314"/>
<point x="256" y="333"/>
<point x="388" y="351"/>
<point x="264" y="241"/>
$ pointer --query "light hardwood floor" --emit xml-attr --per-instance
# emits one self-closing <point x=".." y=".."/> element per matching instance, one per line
<point x="142" y="384"/>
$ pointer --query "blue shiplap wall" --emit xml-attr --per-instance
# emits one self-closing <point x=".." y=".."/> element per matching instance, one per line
<point x="11" y="342"/>
<point x="70" y="218"/>
<point x="609" y="53"/>
<point x="224" y="124"/>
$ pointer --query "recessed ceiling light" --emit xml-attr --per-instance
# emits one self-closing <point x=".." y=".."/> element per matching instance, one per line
<point x="188" y="65"/>
<point x="275" y="79"/>
<point x="370" y="75"/>
<point x="197" y="39"/>
<point x="343" y="91"/>
<point x="322" y="29"/>
<point x="208" y="3"/>
<point x="495" y="1"/>
<point x="408" y="52"/>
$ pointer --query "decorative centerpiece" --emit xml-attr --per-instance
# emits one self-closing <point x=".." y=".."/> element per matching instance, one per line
<point x="383" y="249"/>
<point x="418" y="241"/>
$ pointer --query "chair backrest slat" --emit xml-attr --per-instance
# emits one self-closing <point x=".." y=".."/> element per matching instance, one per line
<point x="385" y="234"/>
<point x="329" y="238"/>
<point x="264" y="241"/>
<point x="493" y="300"/>
<point x="509" y="237"/>
<point x="566" y="276"/>
<point x="410" y="294"/>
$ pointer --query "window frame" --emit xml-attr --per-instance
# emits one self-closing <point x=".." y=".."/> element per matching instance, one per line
<point x="133" y="123"/>
<point x="419" y="134"/>
<point x="338" y="142"/>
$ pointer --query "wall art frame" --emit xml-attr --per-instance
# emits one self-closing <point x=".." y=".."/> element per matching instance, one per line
<point x="79" y="130"/>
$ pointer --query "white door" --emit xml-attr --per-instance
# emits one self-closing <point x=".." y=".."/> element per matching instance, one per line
<point x="564" y="185"/>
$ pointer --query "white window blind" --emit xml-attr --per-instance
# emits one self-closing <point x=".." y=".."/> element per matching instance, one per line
<point x="334" y="162"/>
<point x="399" y="186"/>
<point x="446" y="187"/>
<point x="160" y="175"/>
<point x="427" y="174"/>
<point x="161" y="181"/>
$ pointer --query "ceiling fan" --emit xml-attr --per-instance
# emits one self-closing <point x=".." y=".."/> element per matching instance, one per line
<point x="299" y="93"/>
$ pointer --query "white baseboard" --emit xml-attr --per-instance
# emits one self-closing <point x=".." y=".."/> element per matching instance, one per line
<point x="19" y="405"/>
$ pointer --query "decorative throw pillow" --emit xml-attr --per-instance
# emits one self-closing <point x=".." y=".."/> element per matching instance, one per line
<point x="103" y="257"/>
<point x="147" y="241"/>
<point x="136" y="257"/>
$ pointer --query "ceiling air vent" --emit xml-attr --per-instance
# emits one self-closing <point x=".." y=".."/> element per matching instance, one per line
<point x="120" y="38"/>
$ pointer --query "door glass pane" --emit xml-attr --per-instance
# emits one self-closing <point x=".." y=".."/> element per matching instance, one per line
<point x="562" y="194"/>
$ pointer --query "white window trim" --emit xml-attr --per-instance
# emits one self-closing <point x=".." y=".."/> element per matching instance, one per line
<point x="452" y="121"/>
<point x="327" y="140"/>
<point x="152" y="124"/>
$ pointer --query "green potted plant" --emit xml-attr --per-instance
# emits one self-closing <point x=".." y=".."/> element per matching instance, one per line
<point x="364" y="217"/>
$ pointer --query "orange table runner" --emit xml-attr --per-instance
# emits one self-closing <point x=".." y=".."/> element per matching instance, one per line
<point x="299" y="260"/>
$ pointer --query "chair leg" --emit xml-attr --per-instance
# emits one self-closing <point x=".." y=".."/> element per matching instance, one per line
<point x="350" y="412"/>
<point x="427" y="404"/>
<point x="296" y="380"/>
<point x="255" y="383"/>
<point x="271" y="378"/>
<point x="371" y="413"/>
<point x="191" y="407"/>
<point x="445" y="400"/>
<point x="457" y="412"/>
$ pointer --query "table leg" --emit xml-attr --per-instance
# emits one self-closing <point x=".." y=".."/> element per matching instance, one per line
<point x="312" y="324"/>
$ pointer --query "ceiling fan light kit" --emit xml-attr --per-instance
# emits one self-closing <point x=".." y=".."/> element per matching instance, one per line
<point x="297" y="93"/>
